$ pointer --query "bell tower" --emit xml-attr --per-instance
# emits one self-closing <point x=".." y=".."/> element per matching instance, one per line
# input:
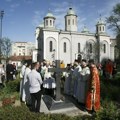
<point x="49" y="20"/>
<point x="100" y="26"/>
<point x="71" y="20"/>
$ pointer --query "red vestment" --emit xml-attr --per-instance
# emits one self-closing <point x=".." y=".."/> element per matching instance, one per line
<point x="109" y="67"/>
<point x="93" y="94"/>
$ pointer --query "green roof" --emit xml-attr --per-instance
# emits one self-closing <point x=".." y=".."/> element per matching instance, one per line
<point x="71" y="12"/>
<point x="49" y="14"/>
<point x="85" y="30"/>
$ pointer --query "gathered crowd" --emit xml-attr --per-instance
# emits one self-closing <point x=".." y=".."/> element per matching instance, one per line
<point x="81" y="81"/>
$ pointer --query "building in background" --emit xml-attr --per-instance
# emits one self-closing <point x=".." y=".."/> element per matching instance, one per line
<point x="21" y="51"/>
<point x="22" y="48"/>
<point x="69" y="44"/>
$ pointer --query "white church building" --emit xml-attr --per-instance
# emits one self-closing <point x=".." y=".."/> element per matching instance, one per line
<point x="70" y="44"/>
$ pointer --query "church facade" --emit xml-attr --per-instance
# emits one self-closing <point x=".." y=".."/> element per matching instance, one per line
<point x="69" y="44"/>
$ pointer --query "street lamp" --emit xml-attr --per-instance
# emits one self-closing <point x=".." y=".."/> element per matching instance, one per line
<point x="1" y="17"/>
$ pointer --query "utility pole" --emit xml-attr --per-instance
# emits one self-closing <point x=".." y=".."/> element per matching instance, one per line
<point x="1" y="18"/>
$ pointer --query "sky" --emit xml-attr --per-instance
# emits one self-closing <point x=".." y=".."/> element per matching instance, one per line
<point x="21" y="17"/>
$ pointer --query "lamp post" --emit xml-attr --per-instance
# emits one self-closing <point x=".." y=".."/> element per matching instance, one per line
<point x="1" y="17"/>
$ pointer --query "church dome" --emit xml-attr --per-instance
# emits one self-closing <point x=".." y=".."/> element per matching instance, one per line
<point x="71" y="12"/>
<point x="85" y="30"/>
<point x="100" y="22"/>
<point x="49" y="15"/>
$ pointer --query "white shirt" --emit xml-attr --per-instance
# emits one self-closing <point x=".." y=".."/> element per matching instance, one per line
<point x="22" y="71"/>
<point x="27" y="71"/>
<point x="47" y="74"/>
<point x="85" y="73"/>
<point x="2" y="72"/>
<point x="35" y="81"/>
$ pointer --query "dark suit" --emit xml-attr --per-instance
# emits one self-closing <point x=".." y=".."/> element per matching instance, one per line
<point x="9" y="72"/>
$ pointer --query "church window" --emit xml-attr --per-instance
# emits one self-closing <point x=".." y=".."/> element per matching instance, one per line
<point x="90" y="47"/>
<point x="103" y="28"/>
<point x="104" y="48"/>
<point x="50" y="22"/>
<point x="46" y="22"/>
<point x="51" y="46"/>
<point x="69" y="22"/>
<point x="64" y="47"/>
<point x="97" y="29"/>
<point x="78" y="47"/>
<point x="73" y="21"/>
<point x="100" y="28"/>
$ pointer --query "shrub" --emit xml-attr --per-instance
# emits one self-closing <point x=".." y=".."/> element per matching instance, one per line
<point x="17" y="113"/>
<point x="23" y="113"/>
<point x="85" y="117"/>
<point x="59" y="117"/>
<point x="110" y="89"/>
<point x="13" y="86"/>
<point x="108" y="112"/>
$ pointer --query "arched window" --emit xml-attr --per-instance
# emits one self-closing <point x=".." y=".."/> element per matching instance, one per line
<point x="51" y="46"/>
<point x="104" y="48"/>
<point x="46" y="22"/>
<point x="100" y="28"/>
<point x="90" y="47"/>
<point x="68" y="21"/>
<point x="78" y="47"/>
<point x="97" y="29"/>
<point x="50" y="22"/>
<point x="64" y="45"/>
<point x="103" y="28"/>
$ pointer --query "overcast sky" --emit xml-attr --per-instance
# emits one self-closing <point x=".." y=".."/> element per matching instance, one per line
<point x="23" y="16"/>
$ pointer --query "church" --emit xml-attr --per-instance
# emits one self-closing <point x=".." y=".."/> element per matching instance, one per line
<point x="70" y="44"/>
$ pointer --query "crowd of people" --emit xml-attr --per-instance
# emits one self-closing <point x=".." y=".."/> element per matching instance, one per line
<point x="7" y="73"/>
<point x="81" y="81"/>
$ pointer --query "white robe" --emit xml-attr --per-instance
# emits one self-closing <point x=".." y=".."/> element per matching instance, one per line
<point x="26" y="93"/>
<point x="2" y="72"/>
<point x="49" y="81"/>
<point x="43" y="70"/>
<point x="83" y="85"/>
<point x="22" y="72"/>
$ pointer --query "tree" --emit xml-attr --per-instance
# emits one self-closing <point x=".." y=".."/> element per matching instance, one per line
<point x="114" y="19"/>
<point x="114" y="24"/>
<point x="6" y="47"/>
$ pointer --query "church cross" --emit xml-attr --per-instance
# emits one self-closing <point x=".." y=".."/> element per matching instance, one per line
<point x="58" y="72"/>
